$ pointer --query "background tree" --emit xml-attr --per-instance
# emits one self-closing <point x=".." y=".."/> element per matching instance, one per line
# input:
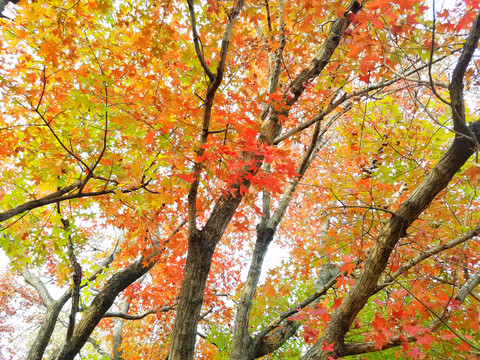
<point x="152" y="150"/>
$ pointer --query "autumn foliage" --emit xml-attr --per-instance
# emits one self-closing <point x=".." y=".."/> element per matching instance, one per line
<point x="239" y="179"/>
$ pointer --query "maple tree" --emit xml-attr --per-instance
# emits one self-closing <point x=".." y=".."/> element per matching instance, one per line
<point x="153" y="151"/>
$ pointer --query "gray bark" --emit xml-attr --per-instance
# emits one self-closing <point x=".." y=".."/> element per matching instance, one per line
<point x="53" y="308"/>
<point x="117" y="337"/>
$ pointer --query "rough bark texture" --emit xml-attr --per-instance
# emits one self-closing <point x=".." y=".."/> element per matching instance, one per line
<point x="242" y="345"/>
<point x="53" y="307"/>
<point x="461" y="149"/>
<point x="191" y="298"/>
<point x="99" y="306"/>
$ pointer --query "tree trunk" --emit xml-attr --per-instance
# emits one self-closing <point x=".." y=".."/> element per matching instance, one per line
<point x="46" y="329"/>
<point x="462" y="148"/>
<point x="99" y="306"/>
<point x="242" y="346"/>
<point x="191" y="298"/>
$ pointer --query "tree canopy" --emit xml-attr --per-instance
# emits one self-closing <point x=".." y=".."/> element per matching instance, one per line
<point x="152" y="152"/>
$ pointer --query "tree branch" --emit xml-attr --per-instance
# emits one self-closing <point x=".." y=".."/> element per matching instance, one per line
<point x="343" y="100"/>
<point x="53" y="308"/>
<point x="101" y="303"/>
<point x="456" y="85"/>
<point x="59" y="196"/>
<point x="123" y="315"/>
<point x="425" y="255"/>
<point x="211" y="91"/>
<point x="196" y="41"/>
<point x="368" y="347"/>
<point x="454" y="158"/>
<point x="39" y="287"/>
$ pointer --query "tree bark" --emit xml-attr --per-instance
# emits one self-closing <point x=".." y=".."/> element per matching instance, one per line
<point x="243" y="345"/>
<point x="462" y="148"/>
<point x="191" y="298"/>
<point x="202" y="243"/>
<point x="99" y="306"/>
<point x="53" y="308"/>
<point x="117" y="337"/>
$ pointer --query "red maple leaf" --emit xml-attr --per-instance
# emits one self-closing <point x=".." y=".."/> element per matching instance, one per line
<point x="415" y="353"/>
<point x="328" y="347"/>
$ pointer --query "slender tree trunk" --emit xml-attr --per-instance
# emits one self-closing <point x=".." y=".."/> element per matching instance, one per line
<point x="99" y="306"/>
<point x="117" y="337"/>
<point x="44" y="334"/>
<point x="242" y="346"/>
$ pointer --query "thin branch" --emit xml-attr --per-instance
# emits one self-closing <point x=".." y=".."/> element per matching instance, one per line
<point x="367" y="207"/>
<point x="60" y="195"/>
<point x="347" y="105"/>
<point x="104" y="143"/>
<point x="429" y="83"/>
<point x="106" y="262"/>
<point x="76" y="277"/>
<point x="204" y="315"/>
<point x="43" y="89"/>
<point x="70" y="152"/>
<point x="204" y="337"/>
<point x="122" y="315"/>
<point x="99" y="349"/>
<point x="211" y="91"/>
<point x="430" y="63"/>
<point x="294" y="310"/>
<point x="269" y="21"/>
<point x="367" y="347"/>
<point x="196" y="41"/>
<point x="457" y="83"/>
<point x="425" y="255"/>
<point x="39" y="287"/>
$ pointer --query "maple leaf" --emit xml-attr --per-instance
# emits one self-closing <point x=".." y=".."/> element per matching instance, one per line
<point x="413" y="329"/>
<point x="299" y="316"/>
<point x="425" y="340"/>
<point x="328" y="347"/>
<point x="380" y="339"/>
<point x="309" y="334"/>
<point x="473" y="3"/>
<point x="415" y="353"/>
<point x="320" y="311"/>
<point x="348" y="267"/>
<point x="473" y="174"/>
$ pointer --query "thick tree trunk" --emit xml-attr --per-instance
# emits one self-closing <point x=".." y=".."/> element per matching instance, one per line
<point x="191" y="298"/>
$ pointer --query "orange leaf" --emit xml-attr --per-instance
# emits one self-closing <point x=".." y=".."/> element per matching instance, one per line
<point x="473" y="174"/>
